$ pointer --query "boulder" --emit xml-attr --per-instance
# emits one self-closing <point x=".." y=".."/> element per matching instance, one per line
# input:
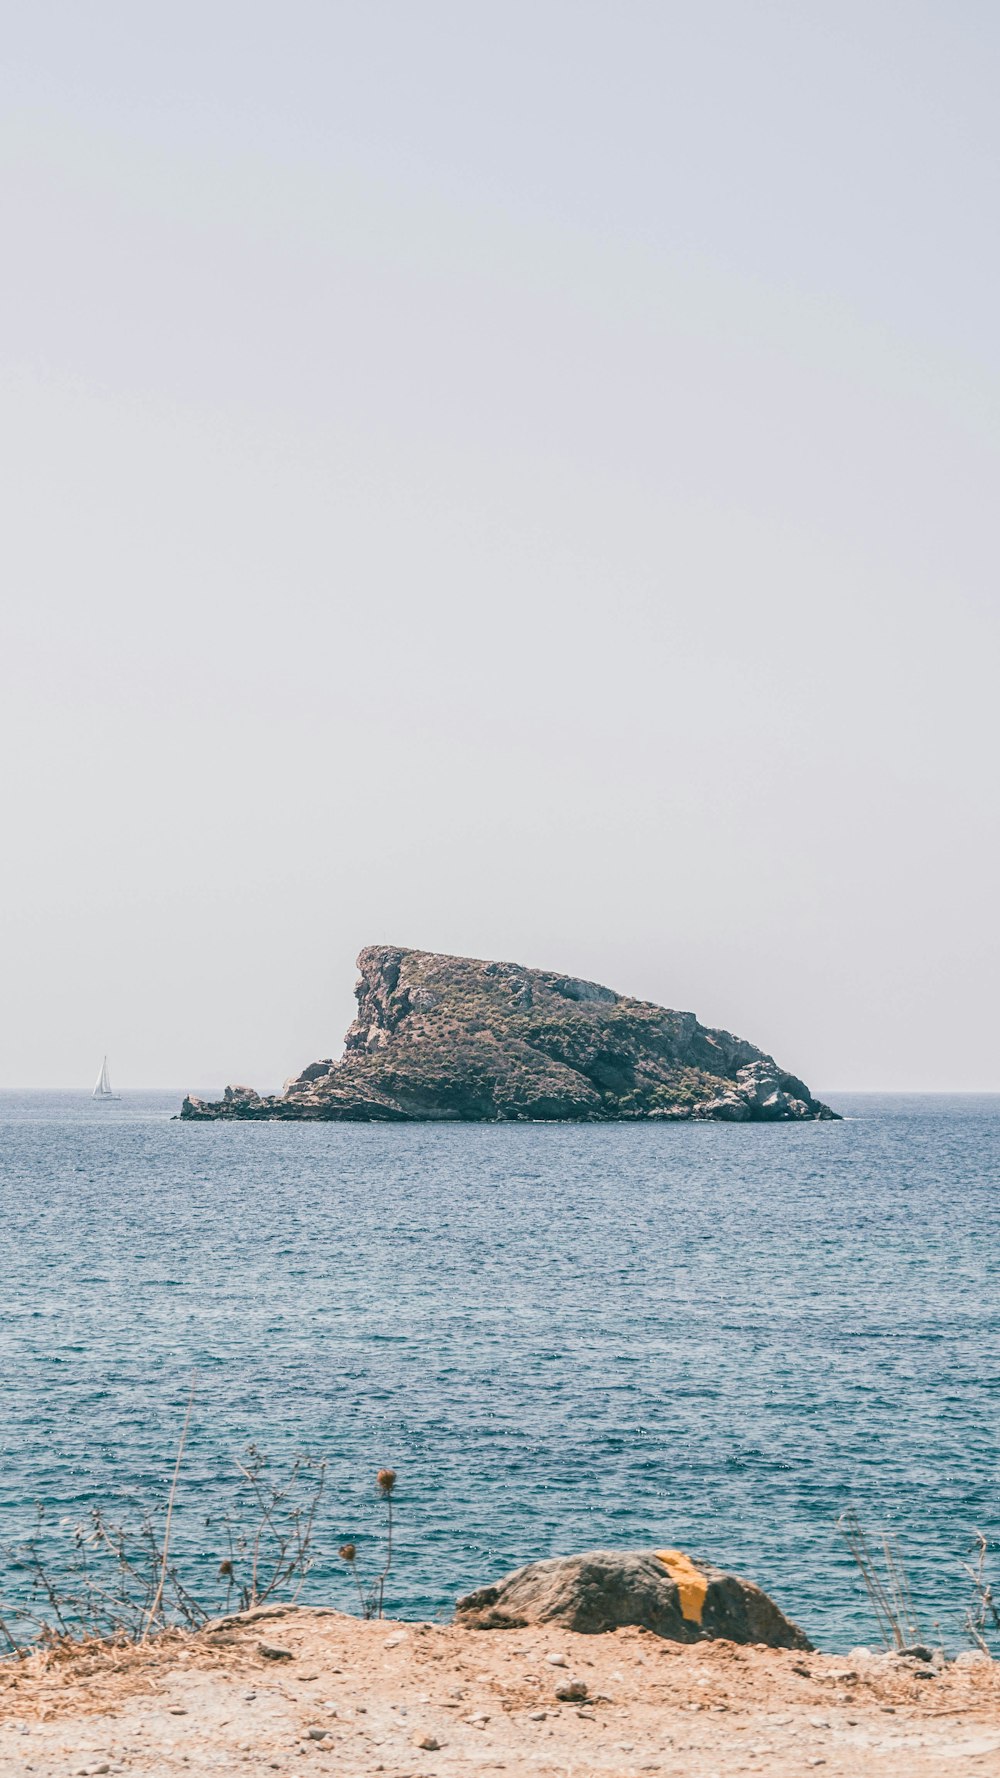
<point x="236" y="1102"/>
<point x="727" y="1108"/>
<point x="665" y="1591"/>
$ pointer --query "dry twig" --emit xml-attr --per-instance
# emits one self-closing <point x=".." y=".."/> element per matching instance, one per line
<point x="890" y="1598"/>
<point x="154" y="1608"/>
<point x="982" y="1613"/>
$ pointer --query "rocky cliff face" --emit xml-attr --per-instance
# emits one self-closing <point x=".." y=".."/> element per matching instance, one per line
<point x="452" y="1037"/>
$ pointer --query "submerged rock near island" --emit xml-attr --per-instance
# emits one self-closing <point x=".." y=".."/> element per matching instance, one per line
<point x="440" y="1037"/>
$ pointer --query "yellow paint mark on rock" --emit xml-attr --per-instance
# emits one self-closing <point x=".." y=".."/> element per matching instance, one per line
<point x="689" y="1581"/>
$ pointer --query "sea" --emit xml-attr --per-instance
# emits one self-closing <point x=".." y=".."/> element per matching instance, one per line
<point x="716" y="1338"/>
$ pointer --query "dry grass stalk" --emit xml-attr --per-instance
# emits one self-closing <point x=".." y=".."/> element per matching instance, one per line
<point x="982" y="1613"/>
<point x="373" y="1600"/>
<point x="890" y="1597"/>
<point x="154" y="1608"/>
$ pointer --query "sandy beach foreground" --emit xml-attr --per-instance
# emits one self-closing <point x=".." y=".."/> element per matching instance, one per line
<point x="298" y="1690"/>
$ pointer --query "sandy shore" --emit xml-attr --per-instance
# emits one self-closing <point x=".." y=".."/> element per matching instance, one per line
<point x="301" y="1690"/>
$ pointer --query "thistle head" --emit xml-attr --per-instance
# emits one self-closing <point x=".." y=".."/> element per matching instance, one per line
<point x="386" y="1481"/>
<point x="348" y="1552"/>
<point x="226" y="1568"/>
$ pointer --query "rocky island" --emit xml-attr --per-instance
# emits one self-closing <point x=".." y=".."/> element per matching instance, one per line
<point x="439" y="1037"/>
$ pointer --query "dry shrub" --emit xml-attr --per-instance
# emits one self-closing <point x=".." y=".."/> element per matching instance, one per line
<point x="119" y="1580"/>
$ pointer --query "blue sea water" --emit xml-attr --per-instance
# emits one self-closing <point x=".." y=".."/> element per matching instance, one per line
<point x="711" y="1337"/>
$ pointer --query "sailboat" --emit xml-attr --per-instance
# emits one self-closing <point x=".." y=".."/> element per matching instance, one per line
<point x="103" y="1088"/>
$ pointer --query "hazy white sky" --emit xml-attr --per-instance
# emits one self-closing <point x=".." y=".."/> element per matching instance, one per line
<point x="516" y="479"/>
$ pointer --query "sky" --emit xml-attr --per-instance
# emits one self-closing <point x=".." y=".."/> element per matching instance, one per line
<point x="517" y="480"/>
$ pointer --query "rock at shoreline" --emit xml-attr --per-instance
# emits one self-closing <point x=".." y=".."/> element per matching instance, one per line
<point x="440" y="1037"/>
<point x="602" y="1590"/>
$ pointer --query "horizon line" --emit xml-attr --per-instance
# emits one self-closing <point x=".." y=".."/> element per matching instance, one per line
<point x="855" y="1092"/>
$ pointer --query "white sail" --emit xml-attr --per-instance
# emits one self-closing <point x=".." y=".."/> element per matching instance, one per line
<point x="103" y="1088"/>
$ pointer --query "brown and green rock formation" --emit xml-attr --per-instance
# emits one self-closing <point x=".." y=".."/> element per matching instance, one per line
<point x="659" y="1590"/>
<point x="451" y="1037"/>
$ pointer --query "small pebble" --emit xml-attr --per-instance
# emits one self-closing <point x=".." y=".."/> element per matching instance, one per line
<point x="538" y="1716"/>
<point x="573" y="1692"/>
<point x="429" y="1743"/>
<point x="271" y="1652"/>
<point x="317" y="1734"/>
<point x="556" y="1660"/>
